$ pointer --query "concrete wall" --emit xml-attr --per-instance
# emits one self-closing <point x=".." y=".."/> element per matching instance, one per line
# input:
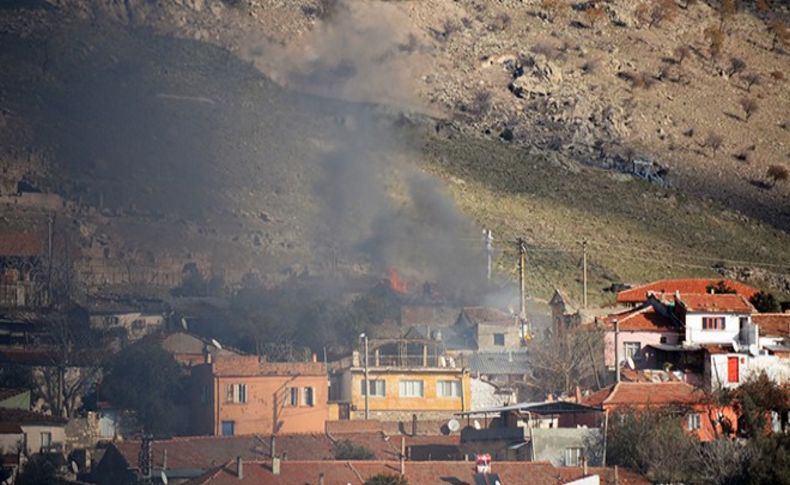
<point x="136" y="324"/>
<point x="485" y="394"/>
<point x="550" y="444"/>
<point x="485" y="337"/>
<point x="33" y="436"/>
<point x="748" y="365"/>
<point x="644" y="338"/>
<point x="696" y="335"/>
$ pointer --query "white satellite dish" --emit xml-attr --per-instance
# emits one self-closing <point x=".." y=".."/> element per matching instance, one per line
<point x="630" y="362"/>
<point x="74" y="467"/>
<point x="476" y="424"/>
<point x="164" y="477"/>
<point x="736" y="346"/>
<point x="216" y="344"/>
<point x="754" y="350"/>
<point x="184" y="323"/>
<point x="453" y="425"/>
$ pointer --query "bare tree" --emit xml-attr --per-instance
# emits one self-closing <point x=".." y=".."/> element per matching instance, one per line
<point x="751" y="79"/>
<point x="749" y="107"/>
<point x="564" y="360"/>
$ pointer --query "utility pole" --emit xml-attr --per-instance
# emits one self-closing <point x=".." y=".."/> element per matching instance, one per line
<point x="617" y="351"/>
<point x="488" y="239"/>
<point x="367" y="380"/>
<point x="522" y="277"/>
<point x="584" y="270"/>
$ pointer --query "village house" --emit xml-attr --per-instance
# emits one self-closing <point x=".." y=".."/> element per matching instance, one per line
<point x="244" y="395"/>
<point x="41" y="433"/>
<point x="695" y="411"/>
<point x="189" y="349"/>
<point x="666" y="289"/>
<point x="560" y="432"/>
<point x="407" y="377"/>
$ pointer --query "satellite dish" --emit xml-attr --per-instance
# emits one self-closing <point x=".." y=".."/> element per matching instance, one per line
<point x="476" y="424"/>
<point x="74" y="467"/>
<point x="736" y="346"/>
<point x="216" y="344"/>
<point x="184" y="323"/>
<point x="453" y="425"/>
<point x="630" y="362"/>
<point x="164" y="477"/>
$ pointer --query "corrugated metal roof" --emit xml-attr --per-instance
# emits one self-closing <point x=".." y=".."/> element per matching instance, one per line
<point x="497" y="363"/>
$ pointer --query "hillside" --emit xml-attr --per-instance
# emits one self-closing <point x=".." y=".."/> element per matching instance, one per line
<point x="276" y="136"/>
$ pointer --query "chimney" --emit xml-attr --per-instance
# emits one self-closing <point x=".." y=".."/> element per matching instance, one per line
<point x="275" y="466"/>
<point x="321" y="478"/>
<point x="315" y="357"/>
<point x="414" y="425"/>
<point x="274" y="446"/>
<point x="239" y="468"/>
<point x="584" y="466"/>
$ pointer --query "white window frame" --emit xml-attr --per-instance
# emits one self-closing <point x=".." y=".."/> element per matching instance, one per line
<point x="378" y="387"/>
<point x="573" y="456"/>
<point x="636" y="355"/>
<point x="236" y="393"/>
<point x="46" y="439"/>
<point x="308" y="396"/>
<point x="448" y="389"/>
<point x="694" y="422"/>
<point x="292" y="397"/>
<point x="411" y="388"/>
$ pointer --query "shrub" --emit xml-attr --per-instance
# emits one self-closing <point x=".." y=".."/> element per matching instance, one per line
<point x="500" y="22"/>
<point x="481" y="103"/>
<point x="749" y="107"/>
<point x="777" y="173"/>
<point x="681" y="52"/>
<point x="594" y="14"/>
<point x="762" y="6"/>
<point x="638" y="79"/>
<point x="780" y="32"/>
<point x="346" y="450"/>
<point x="713" y="141"/>
<point x="765" y="302"/>
<point x="715" y="37"/>
<point x="656" y="12"/>
<point x="778" y="75"/>
<point x="384" y="479"/>
<point x="737" y="65"/>
<point x="751" y="79"/>
<point x="728" y="8"/>
<point x="554" y="8"/>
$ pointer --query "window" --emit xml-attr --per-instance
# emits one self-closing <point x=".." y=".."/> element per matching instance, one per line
<point x="411" y="389"/>
<point x="499" y="339"/>
<point x="308" y="397"/>
<point x="228" y="428"/>
<point x="573" y="456"/>
<point x="693" y="422"/>
<point x="713" y="323"/>
<point x="448" y="388"/>
<point x="292" y="397"/>
<point x="378" y="388"/>
<point x="46" y="439"/>
<point x="631" y="349"/>
<point x="236" y="393"/>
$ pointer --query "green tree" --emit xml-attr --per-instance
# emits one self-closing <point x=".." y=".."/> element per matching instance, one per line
<point x="768" y="462"/>
<point x="346" y="450"/>
<point x="756" y="399"/>
<point x="146" y="379"/>
<point x="764" y="302"/>
<point x="720" y="288"/>
<point x="384" y="479"/>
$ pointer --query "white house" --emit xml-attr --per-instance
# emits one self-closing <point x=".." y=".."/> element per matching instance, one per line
<point x="716" y="319"/>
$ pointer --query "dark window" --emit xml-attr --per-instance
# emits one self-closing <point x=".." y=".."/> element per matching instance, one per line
<point x="499" y="339"/>
<point x="713" y="323"/>
<point x="228" y="428"/>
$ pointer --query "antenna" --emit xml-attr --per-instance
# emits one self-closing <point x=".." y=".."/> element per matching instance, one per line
<point x="74" y="467"/>
<point x="630" y="362"/>
<point x="184" y="323"/>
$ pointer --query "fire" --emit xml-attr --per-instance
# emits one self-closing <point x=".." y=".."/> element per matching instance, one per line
<point x="396" y="282"/>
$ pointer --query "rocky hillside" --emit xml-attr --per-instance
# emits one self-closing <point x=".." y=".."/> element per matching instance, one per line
<point x="214" y="131"/>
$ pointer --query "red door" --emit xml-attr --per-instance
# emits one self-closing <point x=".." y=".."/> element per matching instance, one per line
<point x="732" y="370"/>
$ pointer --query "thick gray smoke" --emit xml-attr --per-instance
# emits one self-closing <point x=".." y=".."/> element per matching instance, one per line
<point x="373" y="198"/>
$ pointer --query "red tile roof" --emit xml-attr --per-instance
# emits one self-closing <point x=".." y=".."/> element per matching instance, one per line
<point x="773" y="324"/>
<point x="21" y="244"/>
<point x="689" y="285"/>
<point x="638" y="394"/>
<point x="645" y="319"/>
<point x="714" y="303"/>
<point x="416" y="473"/>
<point x="250" y="365"/>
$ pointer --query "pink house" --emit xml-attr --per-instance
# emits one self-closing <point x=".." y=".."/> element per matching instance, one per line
<point x="649" y="324"/>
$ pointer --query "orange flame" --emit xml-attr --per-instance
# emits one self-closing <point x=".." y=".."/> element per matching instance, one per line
<point x="396" y="283"/>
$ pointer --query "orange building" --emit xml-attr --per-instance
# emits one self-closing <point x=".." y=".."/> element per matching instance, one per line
<point x="697" y="414"/>
<point x="243" y="395"/>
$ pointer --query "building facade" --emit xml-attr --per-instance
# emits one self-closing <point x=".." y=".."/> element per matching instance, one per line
<point x="243" y="395"/>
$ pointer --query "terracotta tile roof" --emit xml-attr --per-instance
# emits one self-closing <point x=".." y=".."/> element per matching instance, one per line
<point x="22" y="417"/>
<point x="773" y="324"/>
<point x="645" y="319"/>
<point x="21" y="244"/>
<point x="689" y="285"/>
<point x="432" y="448"/>
<point x="488" y="316"/>
<point x="416" y="473"/>
<point x="250" y="365"/>
<point x="596" y="398"/>
<point x="718" y="303"/>
<point x="354" y="426"/>
<point x="195" y="452"/>
<point x="652" y="394"/>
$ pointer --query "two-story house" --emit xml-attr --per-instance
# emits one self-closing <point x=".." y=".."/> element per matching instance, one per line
<point x="244" y="395"/>
<point x="407" y="377"/>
